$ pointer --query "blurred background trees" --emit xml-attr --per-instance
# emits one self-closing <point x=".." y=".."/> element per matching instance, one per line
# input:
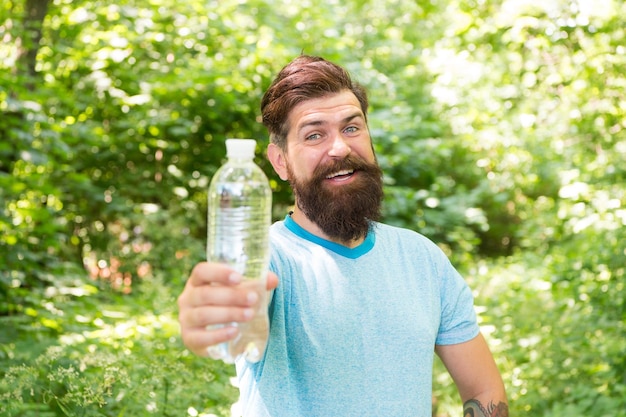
<point x="500" y="126"/>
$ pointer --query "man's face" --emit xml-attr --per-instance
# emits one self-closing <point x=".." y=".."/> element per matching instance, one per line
<point x="331" y="166"/>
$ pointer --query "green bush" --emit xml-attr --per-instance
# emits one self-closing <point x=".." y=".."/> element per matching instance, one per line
<point x="114" y="357"/>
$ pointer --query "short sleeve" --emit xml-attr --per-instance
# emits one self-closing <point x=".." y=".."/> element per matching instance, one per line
<point x="458" y="317"/>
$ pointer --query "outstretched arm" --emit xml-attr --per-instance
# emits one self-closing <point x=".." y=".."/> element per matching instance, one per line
<point x="477" y="378"/>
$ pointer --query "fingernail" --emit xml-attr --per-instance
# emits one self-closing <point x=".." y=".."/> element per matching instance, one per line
<point x="252" y="297"/>
<point x="234" y="278"/>
<point x="248" y="313"/>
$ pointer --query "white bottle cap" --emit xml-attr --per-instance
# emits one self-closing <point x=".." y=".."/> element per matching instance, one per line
<point x="240" y="148"/>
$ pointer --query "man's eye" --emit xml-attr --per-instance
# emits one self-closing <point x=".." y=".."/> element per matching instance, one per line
<point x="351" y="129"/>
<point x="313" y="136"/>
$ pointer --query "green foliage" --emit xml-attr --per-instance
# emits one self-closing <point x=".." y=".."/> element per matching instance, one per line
<point x="499" y="126"/>
<point x="86" y="362"/>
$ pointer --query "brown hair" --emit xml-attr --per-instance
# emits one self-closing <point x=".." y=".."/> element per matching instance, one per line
<point x="304" y="78"/>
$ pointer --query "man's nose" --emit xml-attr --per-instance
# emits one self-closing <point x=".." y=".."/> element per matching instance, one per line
<point x="339" y="148"/>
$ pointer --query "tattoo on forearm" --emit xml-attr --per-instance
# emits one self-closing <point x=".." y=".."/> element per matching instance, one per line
<point x="474" y="408"/>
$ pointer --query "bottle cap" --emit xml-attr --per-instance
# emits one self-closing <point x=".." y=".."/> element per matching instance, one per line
<point x="240" y="148"/>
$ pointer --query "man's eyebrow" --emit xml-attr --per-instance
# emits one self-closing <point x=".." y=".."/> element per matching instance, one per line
<point x="352" y="117"/>
<point x="317" y="122"/>
<point x="310" y="123"/>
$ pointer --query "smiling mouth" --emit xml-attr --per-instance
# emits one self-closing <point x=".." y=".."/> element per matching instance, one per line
<point x="340" y="174"/>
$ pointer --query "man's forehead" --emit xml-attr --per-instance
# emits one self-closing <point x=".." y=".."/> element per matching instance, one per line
<point x="331" y="107"/>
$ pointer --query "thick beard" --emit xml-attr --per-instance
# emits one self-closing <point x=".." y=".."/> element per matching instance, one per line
<point x="344" y="213"/>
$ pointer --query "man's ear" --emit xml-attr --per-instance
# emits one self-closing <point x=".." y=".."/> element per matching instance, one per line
<point x="278" y="160"/>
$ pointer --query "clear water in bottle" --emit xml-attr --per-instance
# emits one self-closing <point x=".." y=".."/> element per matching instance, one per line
<point x="239" y="216"/>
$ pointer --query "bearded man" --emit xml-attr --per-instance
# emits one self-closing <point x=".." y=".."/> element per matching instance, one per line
<point x="362" y="306"/>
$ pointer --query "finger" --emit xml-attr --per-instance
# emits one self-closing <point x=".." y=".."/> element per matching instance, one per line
<point x="272" y="281"/>
<point x="205" y="273"/>
<point x="198" y="340"/>
<point x="219" y="296"/>
<point x="201" y="317"/>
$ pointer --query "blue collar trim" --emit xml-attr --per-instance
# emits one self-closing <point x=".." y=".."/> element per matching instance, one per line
<point x="351" y="253"/>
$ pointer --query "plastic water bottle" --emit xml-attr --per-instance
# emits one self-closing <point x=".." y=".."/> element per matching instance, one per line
<point x="240" y="204"/>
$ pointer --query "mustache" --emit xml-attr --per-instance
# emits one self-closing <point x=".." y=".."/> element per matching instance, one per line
<point x="350" y="162"/>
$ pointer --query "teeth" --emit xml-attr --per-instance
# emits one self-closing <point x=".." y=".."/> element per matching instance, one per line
<point x="344" y="172"/>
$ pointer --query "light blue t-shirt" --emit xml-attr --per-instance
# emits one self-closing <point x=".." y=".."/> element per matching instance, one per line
<point x="353" y="331"/>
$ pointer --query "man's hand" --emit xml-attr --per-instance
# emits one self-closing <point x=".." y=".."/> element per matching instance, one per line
<point x="212" y="296"/>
